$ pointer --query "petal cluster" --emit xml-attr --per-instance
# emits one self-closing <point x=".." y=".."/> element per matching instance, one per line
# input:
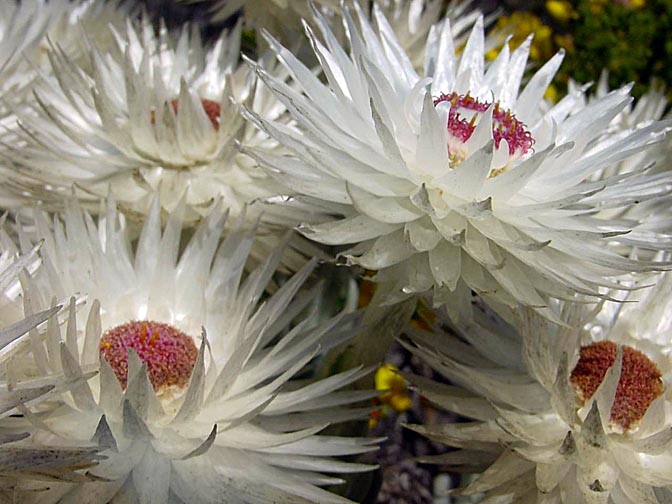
<point x="241" y="429"/>
<point x="25" y="465"/>
<point x="411" y="20"/>
<point x="549" y="421"/>
<point x="429" y="214"/>
<point x="166" y="337"/>
<point x="153" y="114"/>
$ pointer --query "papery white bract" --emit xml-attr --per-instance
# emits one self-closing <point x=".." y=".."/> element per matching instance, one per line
<point x="410" y="20"/>
<point x="648" y="109"/>
<point x="559" y="414"/>
<point x="25" y="465"/>
<point x="82" y="22"/>
<point x="652" y="214"/>
<point x="456" y="179"/>
<point x="238" y="428"/>
<point x="22" y="28"/>
<point x="26" y="31"/>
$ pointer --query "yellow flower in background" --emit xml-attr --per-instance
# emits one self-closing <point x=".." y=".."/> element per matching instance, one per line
<point x="396" y="392"/>
<point x="519" y="25"/>
<point x="395" y="396"/>
<point x="561" y="10"/>
<point x="596" y="6"/>
<point x="632" y="4"/>
<point x="552" y="93"/>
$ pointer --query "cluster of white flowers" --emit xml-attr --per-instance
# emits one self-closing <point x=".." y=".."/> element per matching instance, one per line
<point x="172" y="329"/>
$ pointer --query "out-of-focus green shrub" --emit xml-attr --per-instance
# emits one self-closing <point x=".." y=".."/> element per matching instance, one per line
<point x="628" y="38"/>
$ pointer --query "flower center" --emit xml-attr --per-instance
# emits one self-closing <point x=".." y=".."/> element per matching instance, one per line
<point x="170" y="354"/>
<point x="640" y="382"/>
<point x="211" y="108"/>
<point x="462" y="117"/>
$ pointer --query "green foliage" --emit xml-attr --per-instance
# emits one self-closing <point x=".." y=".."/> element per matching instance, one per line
<point x="631" y="43"/>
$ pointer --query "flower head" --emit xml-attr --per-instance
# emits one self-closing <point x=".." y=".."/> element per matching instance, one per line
<point x="638" y="386"/>
<point x="392" y="384"/>
<point x="170" y="355"/>
<point x="152" y="115"/>
<point x="456" y="179"/>
<point x="195" y="396"/>
<point x="579" y="413"/>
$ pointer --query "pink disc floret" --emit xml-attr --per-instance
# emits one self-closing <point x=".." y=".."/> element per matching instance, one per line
<point x="505" y="125"/>
<point x="170" y="354"/>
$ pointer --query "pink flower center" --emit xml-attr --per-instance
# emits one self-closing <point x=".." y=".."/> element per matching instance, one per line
<point x="170" y="354"/>
<point x="640" y="383"/>
<point x="462" y="116"/>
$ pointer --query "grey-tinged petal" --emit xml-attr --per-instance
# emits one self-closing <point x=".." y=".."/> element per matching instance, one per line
<point x="133" y="425"/>
<point x="104" y="436"/>
<point x="195" y="393"/>
<point x="9" y="334"/>
<point x="592" y="431"/>
<point x="151" y="478"/>
<point x="203" y="447"/>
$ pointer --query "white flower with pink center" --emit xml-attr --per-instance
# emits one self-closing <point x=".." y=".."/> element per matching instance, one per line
<point x="457" y="179"/>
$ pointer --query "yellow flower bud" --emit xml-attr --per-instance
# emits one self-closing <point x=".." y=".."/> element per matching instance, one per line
<point x="396" y="395"/>
<point x="560" y="10"/>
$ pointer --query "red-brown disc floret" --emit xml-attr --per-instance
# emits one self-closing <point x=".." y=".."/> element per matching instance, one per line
<point x="211" y="108"/>
<point x="170" y="354"/>
<point x="640" y="383"/>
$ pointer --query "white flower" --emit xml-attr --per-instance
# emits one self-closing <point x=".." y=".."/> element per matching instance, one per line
<point x="559" y="414"/>
<point x="236" y="428"/>
<point x="152" y="116"/>
<point x="438" y="187"/>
